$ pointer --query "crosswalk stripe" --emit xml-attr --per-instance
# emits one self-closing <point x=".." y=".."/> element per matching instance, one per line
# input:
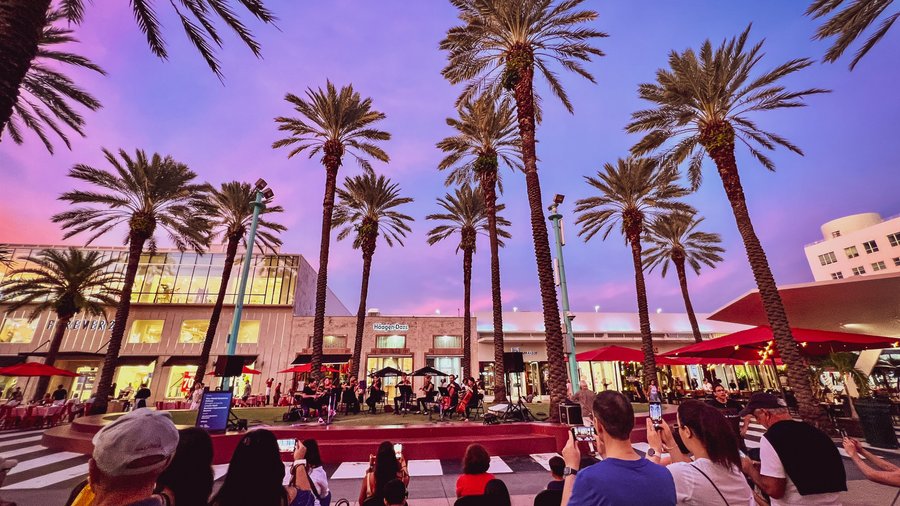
<point x="18" y="434"/>
<point x="544" y="459"/>
<point x="43" y="461"/>
<point x="7" y="444"/>
<point x="498" y="466"/>
<point x="21" y="451"/>
<point x="51" y="478"/>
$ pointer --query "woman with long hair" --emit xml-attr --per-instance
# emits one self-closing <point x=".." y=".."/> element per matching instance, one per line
<point x="714" y="474"/>
<point x="256" y="472"/>
<point x="384" y="466"/>
<point x="316" y="472"/>
<point x="189" y="477"/>
<point x="475" y="471"/>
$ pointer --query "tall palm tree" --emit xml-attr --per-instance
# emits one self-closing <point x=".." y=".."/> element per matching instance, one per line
<point x="500" y="46"/>
<point x="674" y="237"/>
<point x="23" y="20"/>
<point x="702" y="105"/>
<point x="334" y="123"/>
<point x="367" y="209"/>
<point x="465" y="215"/>
<point x="485" y="135"/>
<point x="632" y="192"/>
<point x="6" y="258"/>
<point x="66" y="282"/>
<point x="46" y="93"/>
<point x="231" y="215"/>
<point x="847" y="24"/>
<point x="143" y="193"/>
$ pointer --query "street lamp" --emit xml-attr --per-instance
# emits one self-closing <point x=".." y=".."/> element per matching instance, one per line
<point x="263" y="193"/>
<point x="556" y="219"/>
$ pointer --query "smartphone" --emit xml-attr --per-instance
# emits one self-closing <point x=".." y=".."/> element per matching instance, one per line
<point x="398" y="450"/>
<point x="287" y="445"/>
<point x="583" y="433"/>
<point x="656" y="414"/>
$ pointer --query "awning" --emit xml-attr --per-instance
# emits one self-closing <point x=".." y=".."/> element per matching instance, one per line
<point x="65" y="355"/>
<point x="337" y="358"/>
<point x="136" y="360"/>
<point x="181" y="360"/>
<point x="615" y="353"/>
<point x="8" y="360"/>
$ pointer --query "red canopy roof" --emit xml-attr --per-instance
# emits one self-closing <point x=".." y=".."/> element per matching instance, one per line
<point x="748" y="345"/>
<point x="308" y="368"/>
<point x="614" y="353"/>
<point x="35" y="369"/>
<point x="245" y="370"/>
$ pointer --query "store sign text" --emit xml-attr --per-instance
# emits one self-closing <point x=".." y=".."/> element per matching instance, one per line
<point x="85" y="324"/>
<point x="390" y="327"/>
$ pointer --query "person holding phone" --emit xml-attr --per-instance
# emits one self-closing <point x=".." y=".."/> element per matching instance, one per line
<point x="384" y="466"/>
<point x="714" y="475"/>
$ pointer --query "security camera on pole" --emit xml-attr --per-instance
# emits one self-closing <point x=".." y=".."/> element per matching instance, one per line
<point x="559" y="269"/>
<point x="262" y="194"/>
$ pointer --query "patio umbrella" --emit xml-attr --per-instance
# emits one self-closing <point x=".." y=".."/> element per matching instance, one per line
<point x="245" y="370"/>
<point x="31" y="369"/>
<point x="429" y="371"/>
<point x="387" y="371"/>
<point x="307" y="368"/>
<point x="757" y="344"/>
<point x="621" y="354"/>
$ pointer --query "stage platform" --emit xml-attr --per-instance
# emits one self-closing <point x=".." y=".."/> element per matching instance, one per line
<point x="356" y="443"/>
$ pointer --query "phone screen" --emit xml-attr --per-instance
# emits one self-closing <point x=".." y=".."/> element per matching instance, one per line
<point x="286" y="445"/>
<point x="583" y="433"/>
<point x="398" y="450"/>
<point x="656" y="412"/>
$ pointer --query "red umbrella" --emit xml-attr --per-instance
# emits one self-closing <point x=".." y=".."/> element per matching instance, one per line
<point x="757" y="344"/>
<point x="245" y="370"/>
<point x="713" y="361"/>
<point x="308" y="368"/>
<point x="35" y="369"/>
<point x="620" y="354"/>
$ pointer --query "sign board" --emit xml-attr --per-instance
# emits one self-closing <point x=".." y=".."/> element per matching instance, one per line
<point x="390" y="327"/>
<point x="213" y="412"/>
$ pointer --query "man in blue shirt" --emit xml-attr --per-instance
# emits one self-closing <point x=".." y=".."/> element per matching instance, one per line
<point x="623" y="477"/>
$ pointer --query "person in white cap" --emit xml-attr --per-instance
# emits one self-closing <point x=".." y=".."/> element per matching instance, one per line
<point x="129" y="455"/>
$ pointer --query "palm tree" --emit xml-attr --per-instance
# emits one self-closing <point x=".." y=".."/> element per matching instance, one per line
<point x="368" y="209"/>
<point x="66" y="282"/>
<point x="849" y="23"/>
<point x="465" y="215"/>
<point x="23" y="21"/>
<point x="500" y="45"/>
<point x="6" y="258"/>
<point x="231" y="215"/>
<point x="632" y="192"/>
<point x="485" y="135"/>
<point x="334" y="123"/>
<point x="674" y="237"/>
<point x="702" y="106"/>
<point x="144" y="193"/>
<point x="46" y="92"/>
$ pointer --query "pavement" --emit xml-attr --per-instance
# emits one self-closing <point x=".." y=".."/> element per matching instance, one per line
<point x="46" y="477"/>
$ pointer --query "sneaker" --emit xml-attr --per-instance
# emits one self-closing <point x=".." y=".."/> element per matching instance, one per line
<point x="321" y="422"/>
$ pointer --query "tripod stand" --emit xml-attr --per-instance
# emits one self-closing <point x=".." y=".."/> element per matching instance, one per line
<point x="518" y="411"/>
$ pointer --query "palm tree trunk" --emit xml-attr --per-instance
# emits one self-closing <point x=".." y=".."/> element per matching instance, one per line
<point x="467" y="313"/>
<point x="489" y="190"/>
<point x="361" y="315"/>
<point x="331" y="171"/>
<point x="55" y="343"/>
<point x="230" y="254"/>
<point x="110" y="361"/>
<point x="720" y="147"/>
<point x="682" y="281"/>
<point x="649" y="372"/>
<point x="21" y="25"/>
<point x="524" y="94"/>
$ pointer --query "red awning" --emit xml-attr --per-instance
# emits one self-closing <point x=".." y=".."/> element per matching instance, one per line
<point x="749" y="345"/>
<point x="620" y="354"/>
<point x="307" y="368"/>
<point x="35" y="369"/>
<point x="245" y="370"/>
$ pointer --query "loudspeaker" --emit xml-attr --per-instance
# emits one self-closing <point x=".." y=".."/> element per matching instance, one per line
<point x="229" y="366"/>
<point x="513" y="362"/>
<point x="570" y="414"/>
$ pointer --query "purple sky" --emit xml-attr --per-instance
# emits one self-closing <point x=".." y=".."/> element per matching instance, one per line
<point x="388" y="50"/>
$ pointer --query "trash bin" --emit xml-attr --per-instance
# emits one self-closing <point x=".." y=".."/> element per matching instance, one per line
<point x="877" y="424"/>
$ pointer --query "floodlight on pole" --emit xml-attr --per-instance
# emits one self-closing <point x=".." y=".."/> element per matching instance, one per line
<point x="556" y="218"/>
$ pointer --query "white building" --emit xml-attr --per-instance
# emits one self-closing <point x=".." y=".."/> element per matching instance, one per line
<point x="856" y="245"/>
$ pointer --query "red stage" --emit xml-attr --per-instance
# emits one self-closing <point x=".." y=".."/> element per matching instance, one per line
<point x="355" y="444"/>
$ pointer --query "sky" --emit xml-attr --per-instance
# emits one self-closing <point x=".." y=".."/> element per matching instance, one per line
<point x="389" y="51"/>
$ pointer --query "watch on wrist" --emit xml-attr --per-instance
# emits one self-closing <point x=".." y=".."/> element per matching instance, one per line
<point x="569" y="471"/>
<point x="299" y="462"/>
<point x="652" y="453"/>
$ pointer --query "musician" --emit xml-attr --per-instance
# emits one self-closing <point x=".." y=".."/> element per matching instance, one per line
<point x="453" y="388"/>
<point x="376" y="394"/>
<point x="348" y="396"/>
<point x="471" y="393"/>
<point x="404" y="388"/>
<point x="329" y="395"/>
<point x="427" y="395"/>
<point x="309" y="398"/>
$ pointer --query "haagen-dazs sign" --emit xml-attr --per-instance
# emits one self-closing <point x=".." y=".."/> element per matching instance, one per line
<point x="390" y="327"/>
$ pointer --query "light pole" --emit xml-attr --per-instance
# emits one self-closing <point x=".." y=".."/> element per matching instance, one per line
<point x="262" y="194"/>
<point x="556" y="218"/>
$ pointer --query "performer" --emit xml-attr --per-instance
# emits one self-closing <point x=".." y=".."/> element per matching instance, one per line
<point x="453" y="388"/>
<point x="376" y="394"/>
<point x="404" y="389"/>
<point x="309" y="397"/>
<point x="470" y="399"/>
<point x="348" y="396"/>
<point x="427" y="395"/>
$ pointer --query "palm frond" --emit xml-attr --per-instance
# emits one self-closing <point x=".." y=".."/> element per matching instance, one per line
<point x="464" y="215"/>
<point x="846" y="25"/>
<point x="367" y="209"/>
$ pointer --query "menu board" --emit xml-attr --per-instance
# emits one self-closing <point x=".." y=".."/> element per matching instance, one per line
<point x="213" y="412"/>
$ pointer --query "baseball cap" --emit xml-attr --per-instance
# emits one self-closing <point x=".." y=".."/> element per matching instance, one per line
<point x="138" y="442"/>
<point x="762" y="400"/>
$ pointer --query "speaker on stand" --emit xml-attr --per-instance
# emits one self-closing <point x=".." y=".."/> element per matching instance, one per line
<point x="514" y="363"/>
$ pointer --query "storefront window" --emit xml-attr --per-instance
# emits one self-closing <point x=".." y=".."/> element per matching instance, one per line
<point x="133" y="375"/>
<point x="17" y="330"/>
<point x="334" y="341"/>
<point x="193" y="331"/>
<point x="146" y="331"/>
<point x="84" y="383"/>
<point x="394" y="341"/>
<point x="181" y="379"/>
<point x="388" y="384"/>
<point x="447" y="342"/>
<point x="248" y="332"/>
<point x="447" y="365"/>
